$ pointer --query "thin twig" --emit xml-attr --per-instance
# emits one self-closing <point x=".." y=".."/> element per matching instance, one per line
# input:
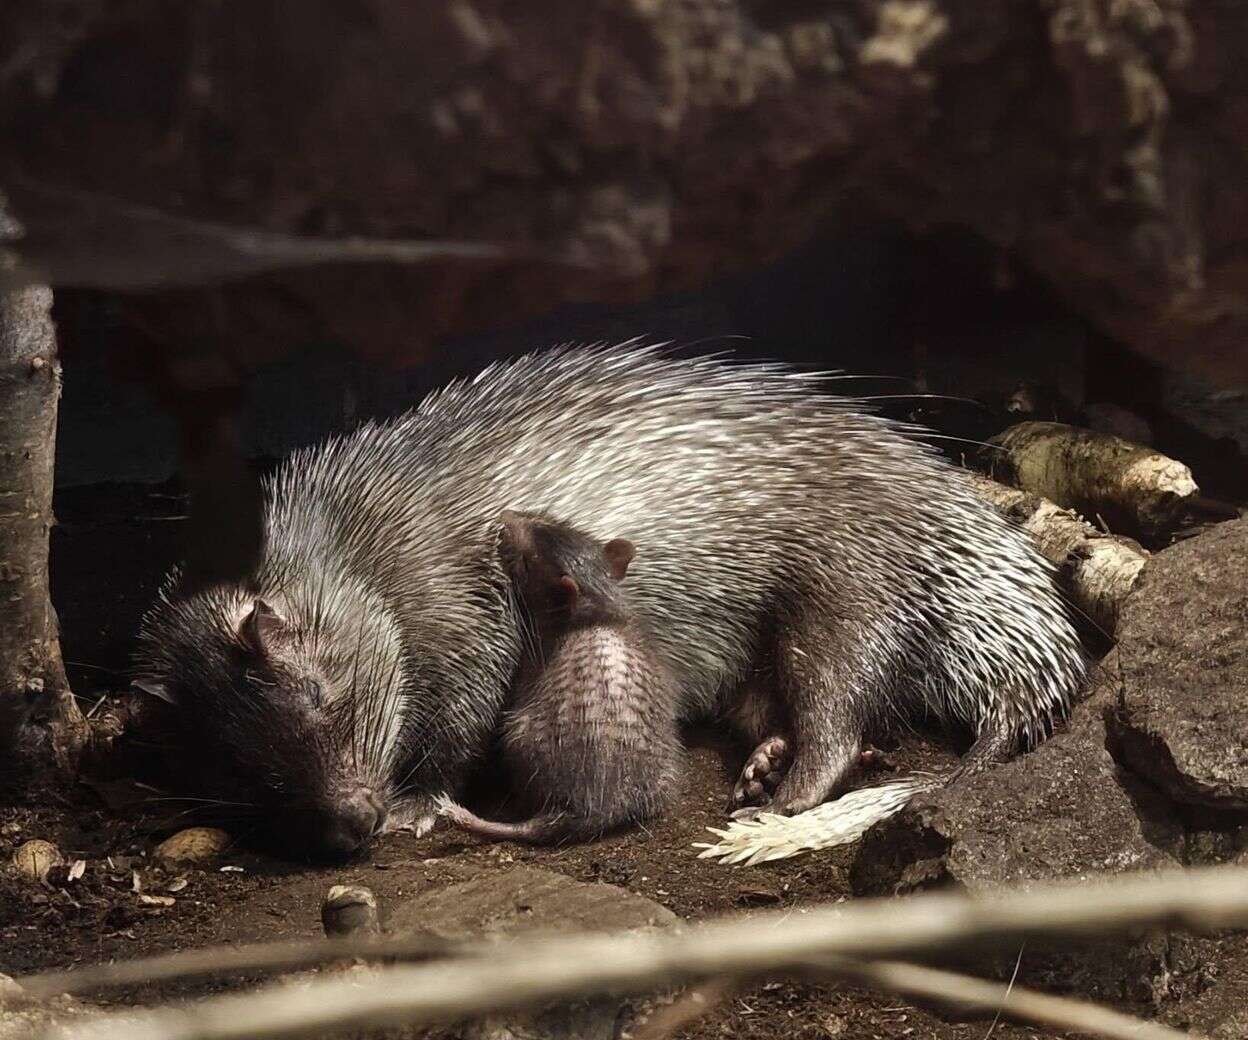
<point x="977" y="995"/>
<point x="260" y="957"/>
<point x="524" y="973"/>
<point x="996" y="1019"/>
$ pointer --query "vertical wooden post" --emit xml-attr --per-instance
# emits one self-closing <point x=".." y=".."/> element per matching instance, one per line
<point x="37" y="709"/>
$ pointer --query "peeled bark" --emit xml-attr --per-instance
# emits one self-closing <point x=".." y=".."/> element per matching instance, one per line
<point x="1134" y="489"/>
<point x="37" y="709"/>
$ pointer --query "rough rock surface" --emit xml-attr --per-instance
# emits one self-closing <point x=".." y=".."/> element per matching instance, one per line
<point x="1182" y="714"/>
<point x="22" y="1017"/>
<point x="526" y="899"/>
<point x="1209" y="982"/>
<point x="1097" y="140"/>
<point x="1066" y="810"/>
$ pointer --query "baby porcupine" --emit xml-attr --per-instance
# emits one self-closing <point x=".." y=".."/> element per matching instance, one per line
<point x="592" y="730"/>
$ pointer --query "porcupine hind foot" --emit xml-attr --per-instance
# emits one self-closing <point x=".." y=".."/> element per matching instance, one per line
<point x="761" y="775"/>
<point x="814" y="677"/>
<point x="766" y="766"/>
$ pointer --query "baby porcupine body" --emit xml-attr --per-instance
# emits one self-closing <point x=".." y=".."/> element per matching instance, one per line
<point x="350" y="682"/>
<point x="591" y="734"/>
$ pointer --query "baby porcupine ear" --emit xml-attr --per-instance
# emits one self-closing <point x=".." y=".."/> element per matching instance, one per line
<point x="262" y="628"/>
<point x="619" y="553"/>
<point x="570" y="590"/>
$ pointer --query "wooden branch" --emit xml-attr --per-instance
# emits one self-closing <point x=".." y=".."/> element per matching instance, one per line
<point x="80" y="238"/>
<point x="529" y="972"/>
<point x="1135" y="489"/>
<point x="35" y="697"/>
<point x="963" y="991"/>
<point x="260" y="957"/>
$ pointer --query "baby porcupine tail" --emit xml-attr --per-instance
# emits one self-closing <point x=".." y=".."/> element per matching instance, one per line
<point x="843" y="821"/>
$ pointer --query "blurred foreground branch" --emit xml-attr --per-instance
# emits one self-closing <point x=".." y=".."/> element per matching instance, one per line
<point x="969" y="994"/>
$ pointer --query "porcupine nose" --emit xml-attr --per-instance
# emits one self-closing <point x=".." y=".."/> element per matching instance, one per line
<point x="353" y="822"/>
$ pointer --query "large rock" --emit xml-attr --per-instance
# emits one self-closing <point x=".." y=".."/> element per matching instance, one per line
<point x="1066" y="810"/>
<point x="1208" y="985"/>
<point x="663" y="141"/>
<point x="528" y="899"/>
<point x="1182" y="714"/>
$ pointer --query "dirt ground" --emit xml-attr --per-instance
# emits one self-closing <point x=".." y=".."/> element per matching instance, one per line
<point x="100" y="917"/>
<point x="108" y="555"/>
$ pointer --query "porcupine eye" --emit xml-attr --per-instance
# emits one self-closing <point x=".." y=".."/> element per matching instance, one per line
<point x="312" y="689"/>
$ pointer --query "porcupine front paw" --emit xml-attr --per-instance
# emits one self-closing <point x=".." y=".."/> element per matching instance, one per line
<point x="760" y="777"/>
<point x="413" y="815"/>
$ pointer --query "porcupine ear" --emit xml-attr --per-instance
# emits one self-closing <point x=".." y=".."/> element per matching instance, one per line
<point x="517" y="536"/>
<point x="570" y="590"/>
<point x="261" y="628"/>
<point x="619" y="553"/>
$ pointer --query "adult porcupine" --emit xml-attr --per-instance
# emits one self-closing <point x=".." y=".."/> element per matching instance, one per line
<point x="355" y="676"/>
<point x="591" y="732"/>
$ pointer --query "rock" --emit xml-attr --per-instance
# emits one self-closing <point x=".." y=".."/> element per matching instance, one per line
<point x="23" y="1016"/>
<point x="529" y="899"/>
<point x="1065" y="810"/>
<point x="35" y="858"/>
<point x="631" y="135"/>
<point x="1182" y="718"/>
<point x="349" y="910"/>
<point x="1209" y="985"/>
<point x="195" y="847"/>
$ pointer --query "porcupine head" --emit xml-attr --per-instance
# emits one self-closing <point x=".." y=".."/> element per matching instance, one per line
<point x="564" y="579"/>
<point x="287" y="701"/>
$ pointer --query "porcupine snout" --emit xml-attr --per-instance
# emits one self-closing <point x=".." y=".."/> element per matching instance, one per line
<point x="350" y="822"/>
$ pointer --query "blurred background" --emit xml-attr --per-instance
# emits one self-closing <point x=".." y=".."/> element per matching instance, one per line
<point x="1022" y="209"/>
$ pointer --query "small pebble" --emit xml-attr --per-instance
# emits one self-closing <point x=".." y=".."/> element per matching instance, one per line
<point x="35" y="858"/>
<point x="194" y="846"/>
<point x="349" y="910"/>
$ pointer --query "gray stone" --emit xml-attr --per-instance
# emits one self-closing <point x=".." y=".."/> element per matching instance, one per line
<point x="1207" y="985"/>
<point x="23" y="1016"/>
<point x="528" y="900"/>
<point x="1065" y="810"/>
<point x="1182" y="714"/>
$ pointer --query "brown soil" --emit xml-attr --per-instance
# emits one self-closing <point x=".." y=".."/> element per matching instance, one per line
<point x="100" y="917"/>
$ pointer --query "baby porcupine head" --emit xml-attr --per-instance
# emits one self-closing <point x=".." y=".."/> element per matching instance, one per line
<point x="562" y="576"/>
